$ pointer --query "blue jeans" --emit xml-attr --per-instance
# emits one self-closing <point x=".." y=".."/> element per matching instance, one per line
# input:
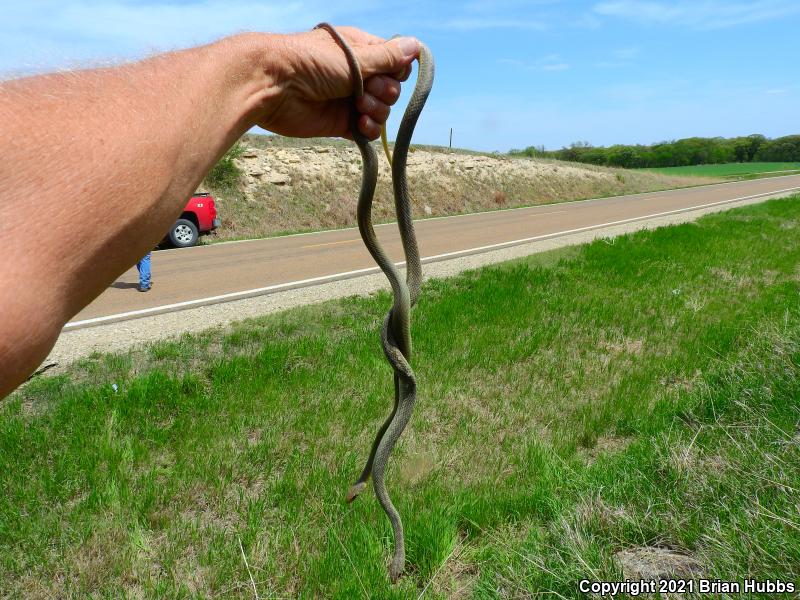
<point x="144" y="271"/>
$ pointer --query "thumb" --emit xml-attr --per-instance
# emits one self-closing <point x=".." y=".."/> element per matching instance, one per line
<point x="387" y="58"/>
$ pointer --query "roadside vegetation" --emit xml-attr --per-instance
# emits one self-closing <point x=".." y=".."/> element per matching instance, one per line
<point x="678" y="153"/>
<point x="636" y="393"/>
<point x="270" y="185"/>
<point x="225" y="175"/>
<point x="734" y="170"/>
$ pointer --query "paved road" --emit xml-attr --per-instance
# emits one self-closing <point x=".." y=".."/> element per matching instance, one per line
<point x="198" y="274"/>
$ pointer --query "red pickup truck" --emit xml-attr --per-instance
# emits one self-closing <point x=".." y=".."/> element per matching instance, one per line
<point x="199" y="217"/>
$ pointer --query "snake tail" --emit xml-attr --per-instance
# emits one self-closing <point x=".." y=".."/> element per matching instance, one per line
<point x="396" y="329"/>
<point x="361" y="483"/>
<point x="406" y="394"/>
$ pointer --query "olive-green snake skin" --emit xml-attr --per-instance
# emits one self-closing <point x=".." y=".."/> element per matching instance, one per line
<point x="396" y="330"/>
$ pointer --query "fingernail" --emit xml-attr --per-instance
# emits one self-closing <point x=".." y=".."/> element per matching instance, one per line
<point x="409" y="46"/>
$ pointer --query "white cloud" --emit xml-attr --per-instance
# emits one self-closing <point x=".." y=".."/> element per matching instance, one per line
<point x="492" y="6"/>
<point x="157" y="23"/>
<point x="609" y="64"/>
<point x="626" y="53"/>
<point x="46" y="34"/>
<point x="475" y="23"/>
<point x="555" y="66"/>
<point x="587" y="21"/>
<point x="491" y="14"/>
<point x="622" y="57"/>
<point x="643" y="91"/>
<point x="704" y="14"/>
<point x="551" y="62"/>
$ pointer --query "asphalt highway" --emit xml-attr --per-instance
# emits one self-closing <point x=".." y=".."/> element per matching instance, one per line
<point x="219" y="272"/>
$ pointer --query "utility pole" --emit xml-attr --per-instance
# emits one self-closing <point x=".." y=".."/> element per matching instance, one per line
<point x="451" y="138"/>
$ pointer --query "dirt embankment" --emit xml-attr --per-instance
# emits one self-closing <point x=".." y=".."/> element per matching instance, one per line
<point x="287" y="187"/>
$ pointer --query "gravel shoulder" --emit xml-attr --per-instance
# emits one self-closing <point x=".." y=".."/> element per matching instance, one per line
<point x="121" y="336"/>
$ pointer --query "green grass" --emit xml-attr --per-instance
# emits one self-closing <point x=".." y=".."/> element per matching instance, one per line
<point x="733" y="170"/>
<point x="224" y="175"/>
<point x="639" y="391"/>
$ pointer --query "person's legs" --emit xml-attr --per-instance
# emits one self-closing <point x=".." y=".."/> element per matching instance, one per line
<point x="144" y="273"/>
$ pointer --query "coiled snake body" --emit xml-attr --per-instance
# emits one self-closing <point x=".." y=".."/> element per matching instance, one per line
<point x="396" y="329"/>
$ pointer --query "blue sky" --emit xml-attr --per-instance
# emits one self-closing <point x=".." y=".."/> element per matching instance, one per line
<point x="510" y="73"/>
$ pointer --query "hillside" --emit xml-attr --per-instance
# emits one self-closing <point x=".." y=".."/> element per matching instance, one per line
<point x="301" y="185"/>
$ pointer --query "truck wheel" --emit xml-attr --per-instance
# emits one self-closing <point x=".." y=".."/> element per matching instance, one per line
<point x="183" y="234"/>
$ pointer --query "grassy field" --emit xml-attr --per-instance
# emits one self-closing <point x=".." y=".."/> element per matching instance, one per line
<point x="629" y="393"/>
<point x="732" y="170"/>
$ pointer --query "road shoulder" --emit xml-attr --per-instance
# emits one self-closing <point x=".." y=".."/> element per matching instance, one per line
<point x="115" y="337"/>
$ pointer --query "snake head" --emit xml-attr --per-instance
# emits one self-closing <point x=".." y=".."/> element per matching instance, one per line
<point x="355" y="490"/>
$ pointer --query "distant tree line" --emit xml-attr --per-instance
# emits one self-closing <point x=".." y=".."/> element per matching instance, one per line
<point x="678" y="153"/>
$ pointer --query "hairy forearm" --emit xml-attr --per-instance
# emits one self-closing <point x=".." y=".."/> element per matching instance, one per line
<point x="97" y="165"/>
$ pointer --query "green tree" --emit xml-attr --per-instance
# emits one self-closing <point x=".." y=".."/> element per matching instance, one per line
<point x="225" y="174"/>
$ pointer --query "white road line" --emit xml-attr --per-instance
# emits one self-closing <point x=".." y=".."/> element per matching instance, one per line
<point x="598" y="226"/>
<point x="349" y="274"/>
<point x="332" y="243"/>
<point x="216" y="299"/>
<point x="765" y="172"/>
<point x="483" y="212"/>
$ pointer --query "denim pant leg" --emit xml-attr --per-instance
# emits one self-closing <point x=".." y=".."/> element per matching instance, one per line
<point x="144" y="271"/>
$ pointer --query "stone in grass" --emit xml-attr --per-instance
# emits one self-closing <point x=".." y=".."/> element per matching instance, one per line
<point x="646" y="562"/>
<point x="279" y="179"/>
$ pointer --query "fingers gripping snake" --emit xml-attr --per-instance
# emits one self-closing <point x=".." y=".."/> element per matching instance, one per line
<point x="396" y="329"/>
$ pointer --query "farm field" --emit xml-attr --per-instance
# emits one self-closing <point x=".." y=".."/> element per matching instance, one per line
<point x="627" y="395"/>
<point x="732" y="170"/>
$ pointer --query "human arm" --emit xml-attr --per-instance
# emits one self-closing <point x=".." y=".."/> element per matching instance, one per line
<point x="126" y="146"/>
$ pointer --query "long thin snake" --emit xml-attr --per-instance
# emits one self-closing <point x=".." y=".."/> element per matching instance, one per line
<point x="396" y="329"/>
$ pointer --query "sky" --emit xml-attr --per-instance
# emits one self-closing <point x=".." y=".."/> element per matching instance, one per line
<point x="509" y="73"/>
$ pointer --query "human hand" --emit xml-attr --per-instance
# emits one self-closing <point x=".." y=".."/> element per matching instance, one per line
<point x="316" y="84"/>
